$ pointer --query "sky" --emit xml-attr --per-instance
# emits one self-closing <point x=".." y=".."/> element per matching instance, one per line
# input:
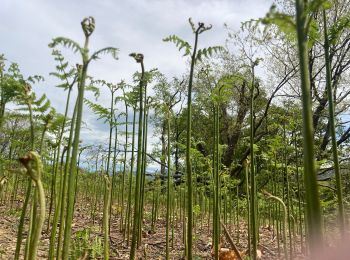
<point x="26" y="28"/>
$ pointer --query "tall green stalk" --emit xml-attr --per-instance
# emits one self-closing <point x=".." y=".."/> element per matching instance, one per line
<point x="253" y="197"/>
<point x="313" y="208"/>
<point x="144" y="163"/>
<point x="299" y="190"/>
<point x="216" y="204"/>
<point x="194" y="57"/>
<point x="189" y="241"/>
<point x="124" y="169"/>
<point x="108" y="188"/>
<point x="109" y="197"/>
<point x="64" y="184"/>
<point x="246" y="171"/>
<point x="139" y="59"/>
<point x="332" y="125"/>
<point x="168" y="191"/>
<point x="106" y="206"/>
<point x="285" y="219"/>
<point x="29" y="186"/>
<point x="69" y="85"/>
<point x="129" y="210"/>
<point x="88" y="26"/>
<point x="75" y="149"/>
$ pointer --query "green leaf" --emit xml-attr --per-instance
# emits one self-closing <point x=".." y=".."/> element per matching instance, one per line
<point x="335" y="31"/>
<point x="99" y="110"/>
<point x="66" y="43"/>
<point x="180" y="43"/>
<point x="208" y="52"/>
<point x="108" y="50"/>
<point x="284" y="22"/>
<point x="315" y="5"/>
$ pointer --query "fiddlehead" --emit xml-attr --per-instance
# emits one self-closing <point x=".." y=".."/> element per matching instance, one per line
<point x="34" y="167"/>
<point x="88" y="25"/>
<point x="137" y="56"/>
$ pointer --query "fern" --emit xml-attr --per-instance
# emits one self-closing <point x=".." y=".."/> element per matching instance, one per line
<point x="62" y="73"/>
<point x="35" y="79"/>
<point x="208" y="52"/>
<point x="315" y="5"/>
<point x="39" y="101"/>
<point x="108" y="50"/>
<point x="68" y="43"/>
<point x="284" y="22"/>
<point x="181" y="44"/>
<point x="338" y="27"/>
<point x="99" y="110"/>
<point x="95" y="90"/>
<point x="43" y="107"/>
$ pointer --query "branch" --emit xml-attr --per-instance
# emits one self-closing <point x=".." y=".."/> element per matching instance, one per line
<point x="230" y="240"/>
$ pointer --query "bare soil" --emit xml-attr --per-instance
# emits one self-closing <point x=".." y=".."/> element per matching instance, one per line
<point x="153" y="243"/>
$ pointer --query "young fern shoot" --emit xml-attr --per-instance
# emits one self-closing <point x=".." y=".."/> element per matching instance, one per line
<point x="34" y="167"/>
<point x="195" y="56"/>
<point x="139" y="59"/>
<point x="88" y="27"/>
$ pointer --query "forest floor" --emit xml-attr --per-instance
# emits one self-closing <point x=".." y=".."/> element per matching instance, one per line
<point x="153" y="243"/>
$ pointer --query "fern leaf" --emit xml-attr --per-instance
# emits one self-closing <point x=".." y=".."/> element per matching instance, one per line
<point x="208" y="52"/>
<point x="66" y="43"/>
<point x="99" y="110"/>
<point x="180" y="43"/>
<point x="39" y="101"/>
<point x="108" y="50"/>
<point x="44" y="107"/>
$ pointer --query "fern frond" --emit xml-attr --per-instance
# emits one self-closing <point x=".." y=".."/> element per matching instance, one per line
<point x="44" y="107"/>
<point x="68" y="43"/>
<point x="93" y="89"/>
<point x="340" y="26"/>
<point x="99" y="110"/>
<point x="180" y="43"/>
<point x="35" y="79"/>
<point x="108" y="50"/>
<point x="208" y="52"/>
<point x="58" y="75"/>
<point x="39" y="101"/>
<point x="284" y="22"/>
<point x="42" y="104"/>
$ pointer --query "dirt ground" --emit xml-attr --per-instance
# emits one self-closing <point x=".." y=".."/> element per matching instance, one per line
<point x="153" y="243"/>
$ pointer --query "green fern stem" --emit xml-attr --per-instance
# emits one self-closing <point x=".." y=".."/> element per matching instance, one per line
<point x="332" y="126"/>
<point x="313" y="208"/>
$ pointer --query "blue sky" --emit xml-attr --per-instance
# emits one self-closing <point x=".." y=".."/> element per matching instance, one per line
<point x="26" y="28"/>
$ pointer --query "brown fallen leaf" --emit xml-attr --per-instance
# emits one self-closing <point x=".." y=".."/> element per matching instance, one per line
<point x="227" y="254"/>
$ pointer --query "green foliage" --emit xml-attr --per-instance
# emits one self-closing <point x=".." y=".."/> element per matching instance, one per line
<point x="101" y="111"/>
<point x="63" y="73"/>
<point x="284" y="22"/>
<point x="221" y="92"/>
<point x="108" y="50"/>
<point x="42" y="104"/>
<point x="338" y="28"/>
<point x="180" y="43"/>
<point x="208" y="52"/>
<point x="86" y="246"/>
<point x="67" y="43"/>
<point x="315" y="5"/>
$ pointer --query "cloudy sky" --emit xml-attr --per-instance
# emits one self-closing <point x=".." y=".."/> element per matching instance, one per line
<point x="26" y="28"/>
